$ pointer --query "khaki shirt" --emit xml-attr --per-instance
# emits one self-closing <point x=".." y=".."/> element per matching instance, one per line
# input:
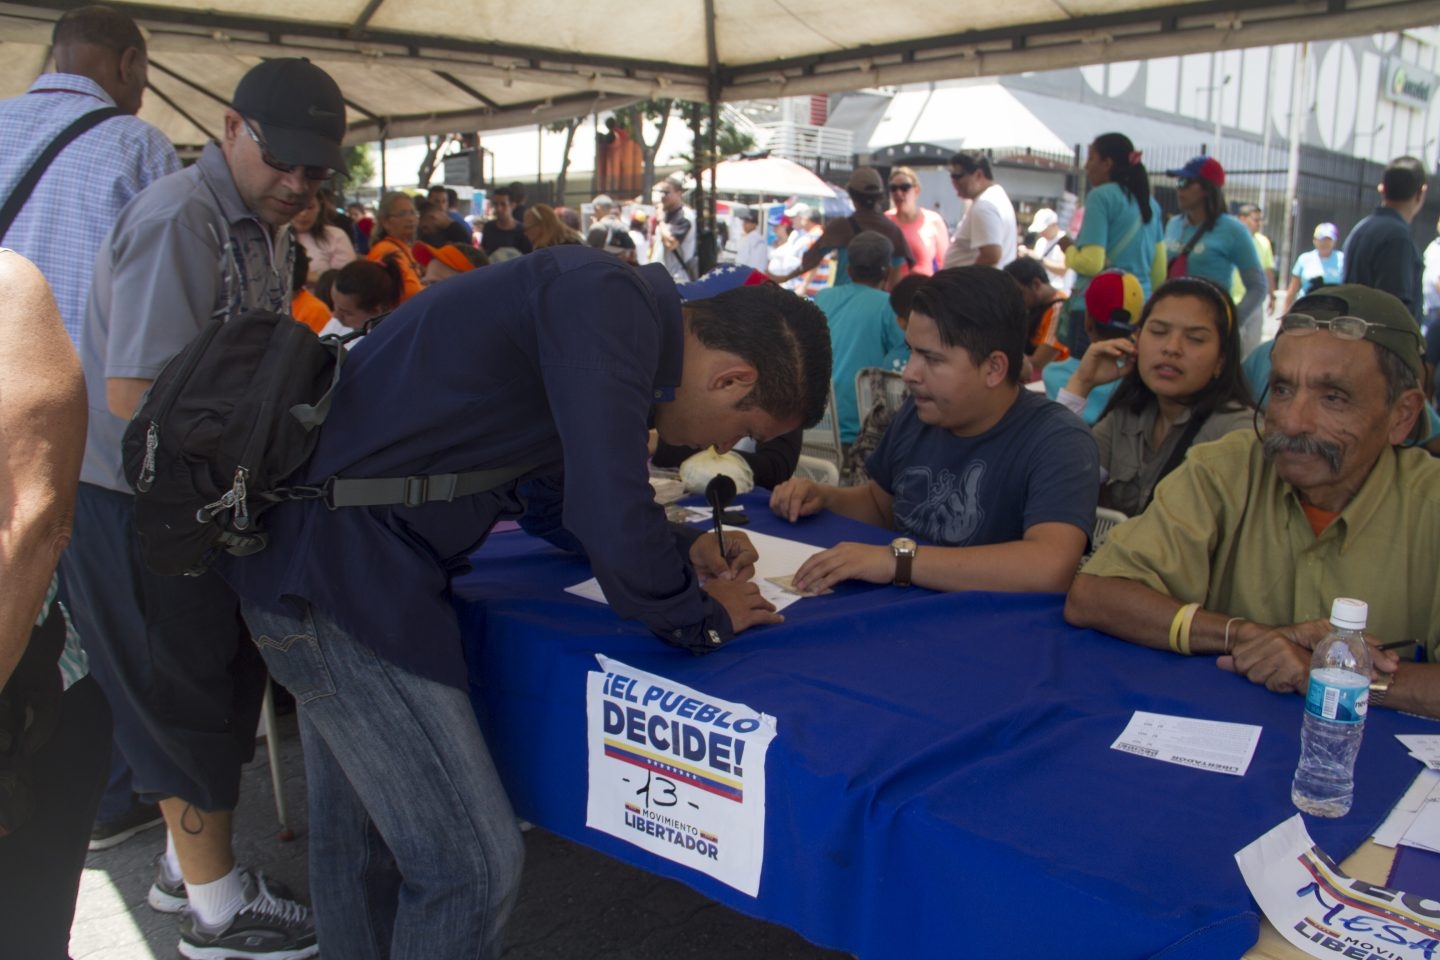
<point x="1132" y="465"/>
<point x="1225" y="531"/>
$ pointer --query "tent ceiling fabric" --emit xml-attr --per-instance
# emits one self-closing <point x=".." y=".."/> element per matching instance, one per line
<point x="411" y="67"/>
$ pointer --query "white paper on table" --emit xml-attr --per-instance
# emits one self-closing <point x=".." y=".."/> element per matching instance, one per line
<point x="1212" y="745"/>
<point x="1320" y="910"/>
<point x="1400" y="818"/>
<point x="704" y="513"/>
<point x="778" y="558"/>
<point x="1425" y="748"/>
<point x="1424" y="829"/>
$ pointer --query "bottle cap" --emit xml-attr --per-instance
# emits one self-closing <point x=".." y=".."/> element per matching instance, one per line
<point x="1349" y="614"/>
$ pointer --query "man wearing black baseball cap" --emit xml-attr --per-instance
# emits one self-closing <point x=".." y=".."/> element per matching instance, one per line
<point x="172" y="654"/>
<point x="1248" y="541"/>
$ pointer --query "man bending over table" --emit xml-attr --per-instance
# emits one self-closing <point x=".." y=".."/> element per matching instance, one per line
<point x="567" y="359"/>
<point x="1247" y="543"/>
<point x="999" y="479"/>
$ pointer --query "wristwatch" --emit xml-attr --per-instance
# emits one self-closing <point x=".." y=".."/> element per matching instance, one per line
<point x="1380" y="688"/>
<point x="904" y="550"/>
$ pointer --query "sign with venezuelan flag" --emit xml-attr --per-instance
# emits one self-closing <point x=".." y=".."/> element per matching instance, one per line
<point x="677" y="772"/>
<point x="1325" y="913"/>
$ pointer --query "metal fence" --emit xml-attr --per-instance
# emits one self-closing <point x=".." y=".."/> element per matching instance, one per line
<point x="1331" y="188"/>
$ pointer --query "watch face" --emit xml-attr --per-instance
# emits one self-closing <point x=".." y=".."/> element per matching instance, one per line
<point x="903" y="545"/>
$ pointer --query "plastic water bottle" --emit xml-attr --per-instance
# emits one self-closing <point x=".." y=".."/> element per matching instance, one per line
<point x="1335" y="707"/>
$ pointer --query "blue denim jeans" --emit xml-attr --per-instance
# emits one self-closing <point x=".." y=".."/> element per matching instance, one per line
<point x="414" y="850"/>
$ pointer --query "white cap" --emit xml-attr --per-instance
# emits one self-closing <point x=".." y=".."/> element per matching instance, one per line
<point x="1045" y="218"/>
<point x="1349" y="614"/>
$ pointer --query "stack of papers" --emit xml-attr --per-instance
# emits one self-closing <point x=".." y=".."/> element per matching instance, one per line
<point x="1426" y="749"/>
<point x="1415" y="821"/>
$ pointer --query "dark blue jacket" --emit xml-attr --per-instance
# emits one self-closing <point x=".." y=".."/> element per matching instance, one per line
<point x="553" y="359"/>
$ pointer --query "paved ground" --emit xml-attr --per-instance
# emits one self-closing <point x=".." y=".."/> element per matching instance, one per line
<point x="575" y="904"/>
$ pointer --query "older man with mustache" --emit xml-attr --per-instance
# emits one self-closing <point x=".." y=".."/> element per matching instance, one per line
<point x="1263" y="532"/>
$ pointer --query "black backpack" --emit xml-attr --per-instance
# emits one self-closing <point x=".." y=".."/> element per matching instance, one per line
<point x="227" y="424"/>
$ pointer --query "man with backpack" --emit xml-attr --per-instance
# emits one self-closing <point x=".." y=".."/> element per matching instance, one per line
<point x="579" y="355"/>
<point x="203" y="244"/>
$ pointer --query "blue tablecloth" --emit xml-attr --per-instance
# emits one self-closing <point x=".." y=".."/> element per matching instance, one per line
<point x="942" y="783"/>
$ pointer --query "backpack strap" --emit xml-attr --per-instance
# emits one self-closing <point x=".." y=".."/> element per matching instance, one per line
<point x="16" y="201"/>
<point x="416" y="490"/>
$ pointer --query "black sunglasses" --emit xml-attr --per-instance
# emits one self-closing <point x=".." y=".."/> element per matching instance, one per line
<point x="311" y="173"/>
<point x="901" y="187"/>
<point x="1183" y="182"/>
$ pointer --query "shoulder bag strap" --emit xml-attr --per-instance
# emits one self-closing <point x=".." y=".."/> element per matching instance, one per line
<point x="1185" y="251"/>
<point x="1113" y="253"/>
<point x="1177" y="456"/>
<point x="16" y="201"/>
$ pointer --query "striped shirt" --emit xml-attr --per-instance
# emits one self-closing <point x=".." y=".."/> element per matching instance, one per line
<point x="62" y="225"/>
<point x="73" y="662"/>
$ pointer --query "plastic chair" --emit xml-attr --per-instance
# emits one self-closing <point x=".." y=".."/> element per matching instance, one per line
<point x="821" y="471"/>
<point x="874" y="383"/>
<point x="823" y="439"/>
<point x="1105" y="521"/>
<point x="272" y="748"/>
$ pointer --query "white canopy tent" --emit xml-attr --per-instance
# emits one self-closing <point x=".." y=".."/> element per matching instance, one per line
<point x="411" y="67"/>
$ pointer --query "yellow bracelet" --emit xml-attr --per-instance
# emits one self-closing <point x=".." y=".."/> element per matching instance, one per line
<point x="1175" y="629"/>
<point x="1185" y="624"/>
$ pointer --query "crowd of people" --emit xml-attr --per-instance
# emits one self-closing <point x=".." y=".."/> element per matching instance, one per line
<point x="1261" y="479"/>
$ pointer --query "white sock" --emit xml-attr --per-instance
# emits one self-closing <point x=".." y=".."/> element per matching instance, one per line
<point x="172" y="862"/>
<point x="216" y="903"/>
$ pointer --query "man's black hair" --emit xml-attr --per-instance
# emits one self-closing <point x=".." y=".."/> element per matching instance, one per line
<point x="1026" y="270"/>
<point x="783" y="336"/>
<point x="1403" y="179"/>
<point x="970" y="162"/>
<point x="98" y="24"/>
<point x="978" y="309"/>
<point x="903" y="296"/>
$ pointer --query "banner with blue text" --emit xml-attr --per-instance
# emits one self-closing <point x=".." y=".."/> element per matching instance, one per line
<point x="1325" y="913"/>
<point x="677" y="772"/>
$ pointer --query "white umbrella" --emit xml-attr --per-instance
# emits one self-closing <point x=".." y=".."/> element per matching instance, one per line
<point x="768" y="176"/>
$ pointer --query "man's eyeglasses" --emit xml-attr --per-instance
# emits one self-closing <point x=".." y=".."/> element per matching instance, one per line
<point x="1346" y="328"/>
<point x="959" y="174"/>
<point x="901" y="187"/>
<point x="311" y="173"/>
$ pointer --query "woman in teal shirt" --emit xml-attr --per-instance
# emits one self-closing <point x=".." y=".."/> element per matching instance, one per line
<point x="1122" y="227"/>
<point x="1214" y="244"/>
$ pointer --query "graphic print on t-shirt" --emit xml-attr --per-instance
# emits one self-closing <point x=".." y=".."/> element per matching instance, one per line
<point x="944" y="509"/>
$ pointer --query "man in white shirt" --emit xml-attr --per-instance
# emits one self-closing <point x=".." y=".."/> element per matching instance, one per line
<point x="987" y="235"/>
<point x="750" y="249"/>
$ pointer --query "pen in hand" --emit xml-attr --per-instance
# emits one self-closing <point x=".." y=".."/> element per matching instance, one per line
<point x="718" y="493"/>
<point x="1397" y="644"/>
